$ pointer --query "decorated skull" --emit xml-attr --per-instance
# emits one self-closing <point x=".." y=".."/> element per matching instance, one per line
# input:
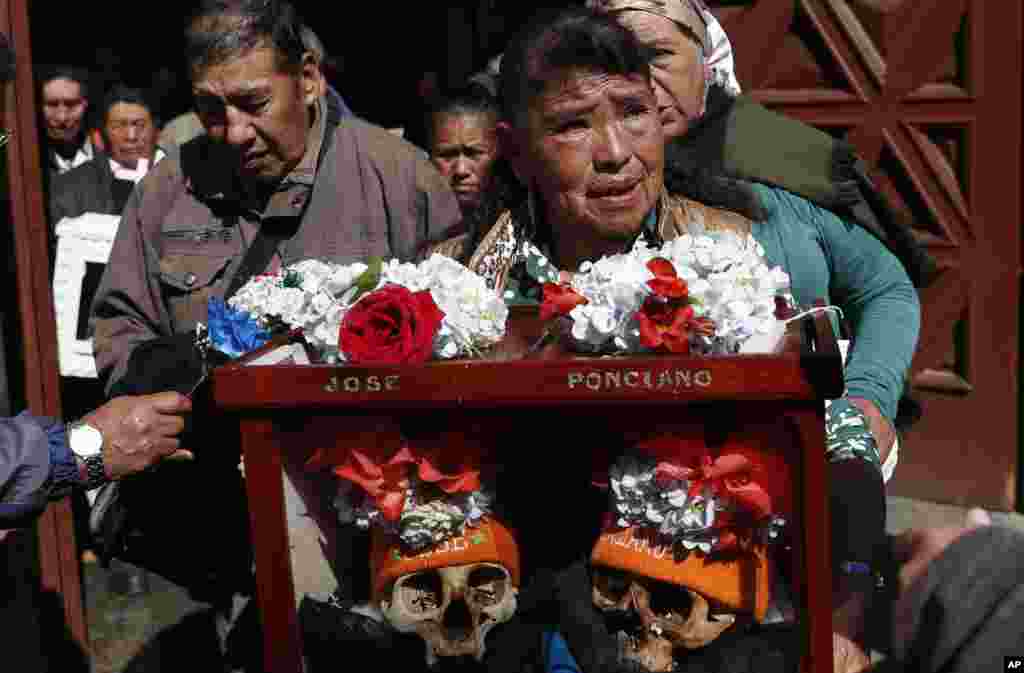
<point x="452" y="608"/>
<point x="684" y="551"/>
<point x="654" y="619"/>
<point x="451" y="594"/>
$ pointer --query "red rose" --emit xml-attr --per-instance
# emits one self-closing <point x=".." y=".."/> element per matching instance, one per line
<point x="390" y="326"/>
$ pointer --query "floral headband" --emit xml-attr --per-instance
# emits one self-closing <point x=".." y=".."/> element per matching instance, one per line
<point x="424" y="489"/>
<point x="693" y="500"/>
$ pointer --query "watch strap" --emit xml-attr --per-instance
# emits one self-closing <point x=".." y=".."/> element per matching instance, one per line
<point x="95" y="472"/>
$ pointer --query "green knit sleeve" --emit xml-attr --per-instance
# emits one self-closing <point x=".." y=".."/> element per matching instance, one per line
<point x="865" y="280"/>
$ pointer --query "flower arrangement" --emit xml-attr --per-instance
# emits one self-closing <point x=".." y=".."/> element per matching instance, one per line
<point x="702" y="504"/>
<point x="424" y="490"/>
<point x="377" y="313"/>
<point x="703" y="294"/>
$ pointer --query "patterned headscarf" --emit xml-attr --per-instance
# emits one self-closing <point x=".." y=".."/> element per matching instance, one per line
<point x="684" y="12"/>
<point x="697" y="19"/>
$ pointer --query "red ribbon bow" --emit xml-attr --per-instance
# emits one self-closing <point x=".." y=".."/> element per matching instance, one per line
<point x="382" y="461"/>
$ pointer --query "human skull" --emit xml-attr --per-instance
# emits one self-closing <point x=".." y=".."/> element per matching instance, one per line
<point x="452" y="608"/>
<point x="657" y="618"/>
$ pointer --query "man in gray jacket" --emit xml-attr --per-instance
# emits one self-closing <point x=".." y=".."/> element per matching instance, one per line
<point x="279" y="176"/>
<point x="277" y="170"/>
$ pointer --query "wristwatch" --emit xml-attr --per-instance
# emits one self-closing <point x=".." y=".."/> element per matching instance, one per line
<point x="86" y="442"/>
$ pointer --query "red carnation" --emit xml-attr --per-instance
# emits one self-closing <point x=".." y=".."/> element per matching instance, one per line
<point x="666" y="283"/>
<point x="666" y="318"/>
<point x="665" y="325"/>
<point x="559" y="300"/>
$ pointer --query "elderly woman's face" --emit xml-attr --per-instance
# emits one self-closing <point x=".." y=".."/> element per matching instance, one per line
<point x="676" y="71"/>
<point x="592" y="147"/>
<point x="463" y="148"/>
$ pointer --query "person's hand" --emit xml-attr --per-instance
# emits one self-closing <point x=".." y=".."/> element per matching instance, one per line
<point x="880" y="427"/>
<point x="848" y="655"/>
<point x="849" y="625"/>
<point x="140" y="430"/>
<point x="914" y="550"/>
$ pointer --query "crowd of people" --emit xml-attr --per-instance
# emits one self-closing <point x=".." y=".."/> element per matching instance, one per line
<point x="598" y="126"/>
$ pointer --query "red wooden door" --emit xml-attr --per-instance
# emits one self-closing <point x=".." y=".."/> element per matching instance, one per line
<point x="58" y="563"/>
<point x="928" y="91"/>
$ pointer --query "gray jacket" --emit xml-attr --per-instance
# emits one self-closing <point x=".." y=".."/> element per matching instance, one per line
<point x="359" y="192"/>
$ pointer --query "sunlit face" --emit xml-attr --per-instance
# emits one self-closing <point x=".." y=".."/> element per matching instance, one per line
<point x="63" y="109"/>
<point x="130" y="133"/>
<point x="463" y="147"/>
<point x="591" y="145"/>
<point x="260" y="113"/>
<point x="677" y="71"/>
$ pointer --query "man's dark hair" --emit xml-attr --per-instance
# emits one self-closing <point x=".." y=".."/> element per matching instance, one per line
<point x="221" y="30"/>
<point x="6" y="60"/>
<point x="121" y="93"/>
<point x="471" y="99"/>
<point x="68" y="72"/>
<point x="575" y="38"/>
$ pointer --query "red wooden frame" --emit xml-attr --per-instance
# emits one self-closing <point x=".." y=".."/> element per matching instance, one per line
<point x="792" y="383"/>
<point x="58" y="554"/>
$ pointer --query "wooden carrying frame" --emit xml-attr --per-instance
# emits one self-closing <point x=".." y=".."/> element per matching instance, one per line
<point x="791" y="383"/>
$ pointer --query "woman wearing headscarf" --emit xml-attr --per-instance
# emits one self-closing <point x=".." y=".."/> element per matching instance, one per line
<point x="584" y="132"/>
<point x="715" y="136"/>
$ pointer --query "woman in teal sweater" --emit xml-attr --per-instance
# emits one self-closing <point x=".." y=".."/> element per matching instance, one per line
<point x="829" y="258"/>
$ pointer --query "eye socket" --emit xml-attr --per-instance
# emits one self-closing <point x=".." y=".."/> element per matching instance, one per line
<point x="570" y="126"/>
<point x="422" y="592"/>
<point x="666" y="598"/>
<point x="447" y="153"/>
<point x="486" y="585"/>
<point x="209" y="108"/>
<point x="636" y="109"/>
<point x="611" y="585"/>
<point x="661" y="54"/>
<point x="254" y="107"/>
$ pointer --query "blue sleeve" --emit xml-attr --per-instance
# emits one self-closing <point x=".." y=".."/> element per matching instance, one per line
<point x="24" y="469"/>
<point x="557" y="657"/>
<point x="867" y="282"/>
<point x="63" y="466"/>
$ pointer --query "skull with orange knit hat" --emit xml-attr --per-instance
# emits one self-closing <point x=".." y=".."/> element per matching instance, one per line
<point x="684" y="550"/>
<point x="442" y="565"/>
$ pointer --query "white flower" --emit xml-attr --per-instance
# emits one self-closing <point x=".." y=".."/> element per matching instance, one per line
<point x="474" y="316"/>
<point x="676" y="497"/>
<point x="341" y="278"/>
<point x="727" y="278"/>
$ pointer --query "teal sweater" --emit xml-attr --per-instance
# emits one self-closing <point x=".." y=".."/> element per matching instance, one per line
<point x="846" y="266"/>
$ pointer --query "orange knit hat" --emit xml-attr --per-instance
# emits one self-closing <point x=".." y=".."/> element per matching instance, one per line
<point x="488" y="542"/>
<point x="745" y="469"/>
<point x="737" y="580"/>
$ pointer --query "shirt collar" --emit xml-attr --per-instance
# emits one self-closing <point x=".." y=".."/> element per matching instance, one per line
<point x="135" y="175"/>
<point x="82" y="155"/>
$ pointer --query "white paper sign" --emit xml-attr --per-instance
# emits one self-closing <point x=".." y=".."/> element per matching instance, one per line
<point x="80" y="240"/>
